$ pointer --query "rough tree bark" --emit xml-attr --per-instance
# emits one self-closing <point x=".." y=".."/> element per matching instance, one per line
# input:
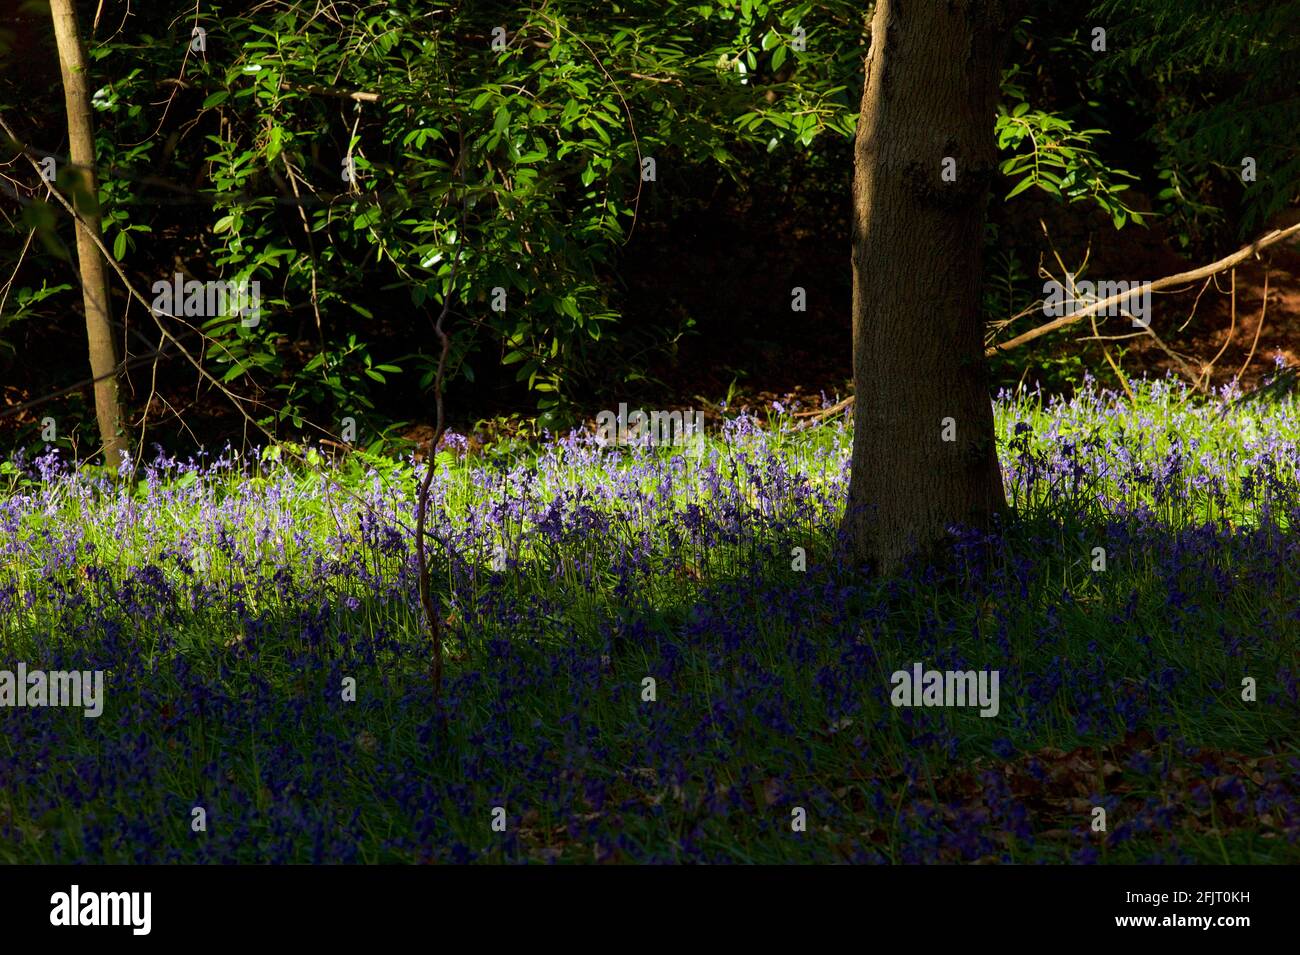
<point x="94" y="279"/>
<point x="930" y="94"/>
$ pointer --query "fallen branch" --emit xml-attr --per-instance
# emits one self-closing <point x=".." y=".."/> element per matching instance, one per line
<point x="1277" y="235"/>
<point x="826" y="412"/>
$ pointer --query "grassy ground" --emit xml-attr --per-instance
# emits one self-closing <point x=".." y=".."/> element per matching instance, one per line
<point x="231" y="601"/>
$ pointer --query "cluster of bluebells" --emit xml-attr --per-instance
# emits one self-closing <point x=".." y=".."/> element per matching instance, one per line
<point x="230" y="600"/>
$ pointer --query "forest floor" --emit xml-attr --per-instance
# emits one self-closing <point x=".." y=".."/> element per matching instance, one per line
<point x="658" y="657"/>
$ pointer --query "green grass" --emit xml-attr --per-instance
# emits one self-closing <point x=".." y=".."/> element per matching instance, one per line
<point x="1120" y="688"/>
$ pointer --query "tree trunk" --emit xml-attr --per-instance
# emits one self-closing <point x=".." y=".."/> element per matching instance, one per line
<point x="930" y="94"/>
<point x="94" y="281"/>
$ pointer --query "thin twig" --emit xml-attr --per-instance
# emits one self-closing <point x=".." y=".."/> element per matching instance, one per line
<point x="431" y="612"/>
<point x="1263" y="308"/>
<point x="1208" y="369"/>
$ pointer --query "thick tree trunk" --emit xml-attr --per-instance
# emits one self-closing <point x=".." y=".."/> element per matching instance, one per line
<point x="94" y="281"/>
<point x="930" y="95"/>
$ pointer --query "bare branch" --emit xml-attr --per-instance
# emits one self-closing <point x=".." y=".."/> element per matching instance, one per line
<point x="1263" y="242"/>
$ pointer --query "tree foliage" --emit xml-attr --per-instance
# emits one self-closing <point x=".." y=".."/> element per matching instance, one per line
<point x="530" y="144"/>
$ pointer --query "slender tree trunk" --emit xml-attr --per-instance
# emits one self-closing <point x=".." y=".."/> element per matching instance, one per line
<point x="924" y="456"/>
<point x="94" y="280"/>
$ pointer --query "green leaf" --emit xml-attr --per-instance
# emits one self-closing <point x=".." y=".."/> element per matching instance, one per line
<point x="1021" y="186"/>
<point x="273" y="143"/>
